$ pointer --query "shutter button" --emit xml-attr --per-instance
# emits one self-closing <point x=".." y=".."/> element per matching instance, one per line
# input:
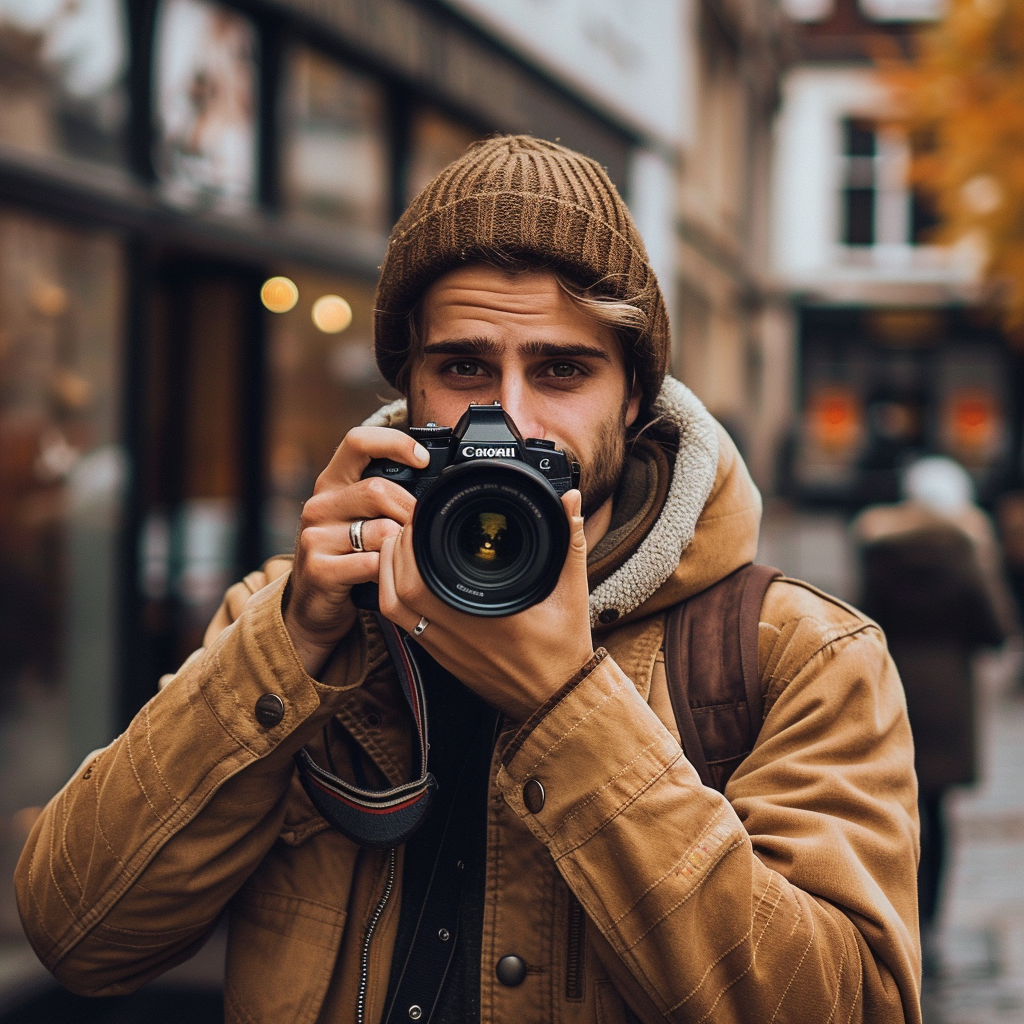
<point x="269" y="710"/>
<point x="511" y="971"/>
<point x="533" y="796"/>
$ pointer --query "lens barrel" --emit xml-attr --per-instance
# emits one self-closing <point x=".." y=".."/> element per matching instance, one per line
<point x="490" y="537"/>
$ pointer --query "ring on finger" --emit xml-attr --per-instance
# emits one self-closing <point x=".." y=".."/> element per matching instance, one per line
<point x="420" y="626"/>
<point x="355" y="534"/>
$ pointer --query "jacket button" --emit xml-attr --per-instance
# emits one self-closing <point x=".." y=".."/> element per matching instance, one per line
<point x="533" y="796"/>
<point x="511" y="971"/>
<point x="269" y="710"/>
<point x="608" y="615"/>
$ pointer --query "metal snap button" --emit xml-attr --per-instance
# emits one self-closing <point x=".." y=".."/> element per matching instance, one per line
<point x="533" y="796"/>
<point x="415" y="1012"/>
<point x="269" y="710"/>
<point x="608" y="615"/>
<point x="444" y="935"/>
<point x="511" y="971"/>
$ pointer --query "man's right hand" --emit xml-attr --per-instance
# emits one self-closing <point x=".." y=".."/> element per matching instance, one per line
<point x="320" y="611"/>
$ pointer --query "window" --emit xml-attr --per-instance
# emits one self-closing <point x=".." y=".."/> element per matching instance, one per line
<point x="62" y="473"/>
<point x="875" y="207"/>
<point x="435" y="141"/>
<point x="206" y="105"/>
<point x="322" y="380"/>
<point x="335" y="152"/>
<point x="859" y="187"/>
<point x="62" y="71"/>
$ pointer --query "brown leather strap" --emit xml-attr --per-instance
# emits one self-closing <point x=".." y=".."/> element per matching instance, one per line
<point x="757" y="579"/>
<point x="677" y="671"/>
<point x="712" y="671"/>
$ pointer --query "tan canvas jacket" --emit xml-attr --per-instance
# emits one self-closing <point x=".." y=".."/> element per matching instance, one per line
<point x="792" y="898"/>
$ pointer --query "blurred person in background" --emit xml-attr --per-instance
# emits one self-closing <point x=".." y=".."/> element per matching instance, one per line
<point x="933" y="580"/>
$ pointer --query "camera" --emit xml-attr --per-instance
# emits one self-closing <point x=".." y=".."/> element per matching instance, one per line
<point x="489" y="532"/>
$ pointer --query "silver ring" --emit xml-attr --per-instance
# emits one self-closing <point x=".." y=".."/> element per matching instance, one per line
<point x="420" y="626"/>
<point x="355" y="534"/>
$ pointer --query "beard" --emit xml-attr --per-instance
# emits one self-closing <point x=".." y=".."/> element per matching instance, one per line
<point x="600" y="475"/>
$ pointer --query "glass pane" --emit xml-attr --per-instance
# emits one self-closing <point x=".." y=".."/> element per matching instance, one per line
<point x="335" y="156"/>
<point x="62" y="473"/>
<point x="320" y="385"/>
<point x="62" y="71"/>
<point x="436" y="141"/>
<point x="206" y="105"/>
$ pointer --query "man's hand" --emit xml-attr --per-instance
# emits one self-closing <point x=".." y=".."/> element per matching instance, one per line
<point x="319" y="610"/>
<point x="517" y="662"/>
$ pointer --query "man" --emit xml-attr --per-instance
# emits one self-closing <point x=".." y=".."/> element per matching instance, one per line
<point x="596" y="878"/>
<point x="933" y="579"/>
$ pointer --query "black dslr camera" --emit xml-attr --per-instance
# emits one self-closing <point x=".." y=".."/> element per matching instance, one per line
<point x="489" y="532"/>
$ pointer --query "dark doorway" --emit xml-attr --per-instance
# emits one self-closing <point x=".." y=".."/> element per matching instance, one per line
<point x="198" y="459"/>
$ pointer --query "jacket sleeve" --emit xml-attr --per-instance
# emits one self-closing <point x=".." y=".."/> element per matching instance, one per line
<point x="794" y="899"/>
<point x="130" y="865"/>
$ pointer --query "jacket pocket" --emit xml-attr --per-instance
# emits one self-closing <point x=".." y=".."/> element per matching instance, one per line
<point x="281" y="955"/>
<point x="610" y="1006"/>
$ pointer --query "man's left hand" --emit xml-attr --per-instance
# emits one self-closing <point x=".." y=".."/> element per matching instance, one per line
<point x="515" y="662"/>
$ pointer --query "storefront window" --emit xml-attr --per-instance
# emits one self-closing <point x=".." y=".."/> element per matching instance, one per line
<point x="335" y="163"/>
<point x="436" y="140"/>
<point x="62" y="71"/>
<point x="321" y="384"/>
<point x="62" y="475"/>
<point x="206" y="105"/>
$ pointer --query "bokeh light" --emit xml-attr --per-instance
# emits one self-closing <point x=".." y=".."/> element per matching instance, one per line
<point x="279" y="294"/>
<point x="332" y="314"/>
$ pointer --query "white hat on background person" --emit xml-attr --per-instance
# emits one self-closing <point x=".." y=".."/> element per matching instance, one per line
<point x="938" y="483"/>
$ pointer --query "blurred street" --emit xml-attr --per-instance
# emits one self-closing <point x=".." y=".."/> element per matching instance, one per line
<point x="980" y="950"/>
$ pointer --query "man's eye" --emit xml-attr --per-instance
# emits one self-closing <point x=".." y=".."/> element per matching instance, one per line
<point x="563" y="370"/>
<point x="465" y="369"/>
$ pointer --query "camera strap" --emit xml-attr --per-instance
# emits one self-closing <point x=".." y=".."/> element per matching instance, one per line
<point x="378" y="818"/>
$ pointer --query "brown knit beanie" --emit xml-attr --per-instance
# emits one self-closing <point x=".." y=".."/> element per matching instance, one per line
<point x="521" y="197"/>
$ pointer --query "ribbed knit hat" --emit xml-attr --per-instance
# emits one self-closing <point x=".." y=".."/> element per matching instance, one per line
<point x="521" y="197"/>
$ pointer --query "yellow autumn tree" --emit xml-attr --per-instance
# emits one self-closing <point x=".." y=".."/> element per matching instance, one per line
<point x="963" y="91"/>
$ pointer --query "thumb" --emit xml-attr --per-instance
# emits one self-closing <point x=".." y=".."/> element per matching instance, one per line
<point x="572" y="502"/>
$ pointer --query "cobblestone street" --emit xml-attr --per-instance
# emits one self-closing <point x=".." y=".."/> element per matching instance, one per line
<point x="980" y="948"/>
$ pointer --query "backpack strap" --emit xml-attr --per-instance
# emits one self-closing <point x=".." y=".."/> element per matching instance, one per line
<point x="712" y="674"/>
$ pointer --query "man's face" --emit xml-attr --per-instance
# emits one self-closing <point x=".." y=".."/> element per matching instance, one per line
<point x="488" y="336"/>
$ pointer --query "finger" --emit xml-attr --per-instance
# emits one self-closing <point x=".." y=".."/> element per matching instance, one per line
<point x="572" y="502"/>
<point x="390" y="604"/>
<point x="364" y="443"/>
<point x="332" y="572"/>
<point x="336" y="538"/>
<point x="373" y="498"/>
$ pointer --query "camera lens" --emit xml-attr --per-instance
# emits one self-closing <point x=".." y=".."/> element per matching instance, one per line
<point x="490" y="538"/>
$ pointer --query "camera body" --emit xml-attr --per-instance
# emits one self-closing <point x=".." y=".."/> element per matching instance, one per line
<point x="489" y="532"/>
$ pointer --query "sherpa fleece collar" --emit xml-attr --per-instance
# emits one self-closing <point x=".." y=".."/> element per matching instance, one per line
<point x="693" y="475"/>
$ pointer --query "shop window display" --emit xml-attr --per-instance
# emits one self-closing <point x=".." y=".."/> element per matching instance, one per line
<point x="62" y="78"/>
<point x="335" y="152"/>
<point x="321" y="383"/>
<point x="62" y="475"/>
<point x="206" y="97"/>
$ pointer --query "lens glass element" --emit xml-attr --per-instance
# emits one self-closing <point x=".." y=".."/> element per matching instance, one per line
<point x="490" y="542"/>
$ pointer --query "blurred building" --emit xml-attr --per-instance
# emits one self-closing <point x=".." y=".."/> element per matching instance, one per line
<point x="893" y="355"/>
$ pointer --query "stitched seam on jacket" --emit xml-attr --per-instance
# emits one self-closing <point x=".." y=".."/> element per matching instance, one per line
<point x="745" y="971"/>
<point x="67" y="857"/>
<point x="690" y="892"/>
<point x="156" y="763"/>
<point x="583" y="804"/>
<point x="780" y="683"/>
<point x="671" y="869"/>
<point x="796" y="970"/>
<point x="749" y="932"/>
<point x="615" y="812"/>
<point x="561" y="739"/>
<point x="236" y="1006"/>
<point x="138" y="781"/>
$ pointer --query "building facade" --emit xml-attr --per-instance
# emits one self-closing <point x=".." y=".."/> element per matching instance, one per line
<point x="894" y="356"/>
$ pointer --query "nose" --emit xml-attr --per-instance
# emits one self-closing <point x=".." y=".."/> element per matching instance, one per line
<point x="515" y="399"/>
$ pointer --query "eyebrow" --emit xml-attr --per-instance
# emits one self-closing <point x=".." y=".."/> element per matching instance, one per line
<point x="489" y="347"/>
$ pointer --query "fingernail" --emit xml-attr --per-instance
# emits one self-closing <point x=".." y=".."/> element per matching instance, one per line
<point x="420" y="452"/>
